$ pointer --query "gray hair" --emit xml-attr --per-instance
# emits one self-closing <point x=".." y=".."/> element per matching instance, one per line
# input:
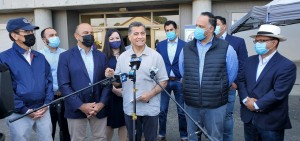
<point x="135" y="24"/>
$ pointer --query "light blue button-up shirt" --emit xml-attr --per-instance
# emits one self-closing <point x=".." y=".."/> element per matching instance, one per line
<point x="52" y="58"/>
<point x="88" y="60"/>
<point x="231" y="60"/>
<point x="172" y="47"/>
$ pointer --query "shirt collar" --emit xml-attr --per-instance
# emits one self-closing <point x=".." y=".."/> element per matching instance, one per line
<point x="224" y="35"/>
<point x="50" y="51"/>
<point x="22" y="50"/>
<point x="175" y="41"/>
<point x="146" y="51"/>
<point x="210" y="42"/>
<point x="81" y="49"/>
<point x="266" y="59"/>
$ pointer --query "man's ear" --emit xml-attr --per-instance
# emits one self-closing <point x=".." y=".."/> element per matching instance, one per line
<point x="14" y="35"/>
<point x="76" y="36"/>
<point x="129" y="37"/>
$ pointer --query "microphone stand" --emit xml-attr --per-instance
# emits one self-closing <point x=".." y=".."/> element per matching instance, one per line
<point x="134" y="117"/>
<point x="105" y="82"/>
<point x="198" y="133"/>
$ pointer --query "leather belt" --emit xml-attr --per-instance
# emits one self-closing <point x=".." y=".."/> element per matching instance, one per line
<point x="172" y="78"/>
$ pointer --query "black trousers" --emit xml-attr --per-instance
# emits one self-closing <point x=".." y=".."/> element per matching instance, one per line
<point x="57" y="111"/>
<point x="144" y="124"/>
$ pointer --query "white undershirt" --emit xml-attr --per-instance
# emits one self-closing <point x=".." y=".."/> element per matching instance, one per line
<point x="27" y="56"/>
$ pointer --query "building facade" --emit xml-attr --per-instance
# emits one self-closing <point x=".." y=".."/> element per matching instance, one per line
<point x="65" y="15"/>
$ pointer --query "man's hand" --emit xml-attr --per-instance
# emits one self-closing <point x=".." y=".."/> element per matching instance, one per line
<point x="250" y="104"/>
<point x="38" y="114"/>
<point x="118" y="91"/>
<point x="109" y="72"/>
<point x="233" y="86"/>
<point x="87" y="108"/>
<point x="145" y="97"/>
<point x="97" y="107"/>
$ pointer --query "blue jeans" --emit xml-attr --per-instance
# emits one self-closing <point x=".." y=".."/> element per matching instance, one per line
<point x="176" y="87"/>
<point x="253" y="133"/>
<point x="21" y="129"/>
<point x="211" y="119"/>
<point x="228" y="125"/>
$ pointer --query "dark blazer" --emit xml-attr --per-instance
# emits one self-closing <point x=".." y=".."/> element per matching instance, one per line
<point x="72" y="76"/>
<point x="271" y="91"/>
<point x="239" y="46"/>
<point x="162" y="49"/>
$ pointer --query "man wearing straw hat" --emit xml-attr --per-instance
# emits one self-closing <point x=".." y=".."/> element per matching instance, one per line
<point x="265" y="84"/>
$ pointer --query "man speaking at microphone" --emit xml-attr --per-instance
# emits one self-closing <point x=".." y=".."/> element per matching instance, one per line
<point x="148" y="93"/>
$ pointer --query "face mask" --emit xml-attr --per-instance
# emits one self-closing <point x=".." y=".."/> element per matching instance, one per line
<point x="261" y="48"/>
<point x="171" y="35"/>
<point x="115" y="44"/>
<point x="29" y="40"/>
<point x="88" y="40"/>
<point x="199" y="33"/>
<point x="217" y="30"/>
<point x="54" y="42"/>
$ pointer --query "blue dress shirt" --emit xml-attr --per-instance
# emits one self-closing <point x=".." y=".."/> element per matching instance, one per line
<point x="52" y="58"/>
<point x="88" y="60"/>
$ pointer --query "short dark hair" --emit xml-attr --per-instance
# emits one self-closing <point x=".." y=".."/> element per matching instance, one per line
<point x="167" y="23"/>
<point x="222" y="19"/>
<point x="135" y="24"/>
<point x="15" y="31"/>
<point x="107" y="49"/>
<point x="10" y="37"/>
<point x="211" y="17"/>
<point x="43" y="31"/>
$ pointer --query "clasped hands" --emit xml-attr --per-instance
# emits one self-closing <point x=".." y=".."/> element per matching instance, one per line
<point x="38" y="114"/>
<point x="91" y="109"/>
<point x="250" y="103"/>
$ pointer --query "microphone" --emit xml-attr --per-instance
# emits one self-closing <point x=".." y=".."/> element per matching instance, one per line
<point x="153" y="71"/>
<point x="121" y="77"/>
<point x="135" y="62"/>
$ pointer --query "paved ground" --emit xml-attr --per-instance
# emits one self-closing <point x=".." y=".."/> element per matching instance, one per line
<point x="172" y="126"/>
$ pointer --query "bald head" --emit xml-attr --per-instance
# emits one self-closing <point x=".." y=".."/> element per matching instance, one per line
<point x="83" y="28"/>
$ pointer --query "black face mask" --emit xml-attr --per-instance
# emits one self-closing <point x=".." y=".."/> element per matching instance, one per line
<point x="88" y="40"/>
<point x="29" y="40"/>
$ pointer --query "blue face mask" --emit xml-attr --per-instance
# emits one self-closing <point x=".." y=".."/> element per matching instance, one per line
<point x="171" y="35"/>
<point x="115" y="44"/>
<point x="54" y="42"/>
<point x="217" y="30"/>
<point x="261" y="48"/>
<point x="199" y="33"/>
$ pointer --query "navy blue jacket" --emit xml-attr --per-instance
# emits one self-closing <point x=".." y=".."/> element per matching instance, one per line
<point x="271" y="90"/>
<point x="72" y="76"/>
<point x="239" y="46"/>
<point x="162" y="48"/>
<point x="32" y="84"/>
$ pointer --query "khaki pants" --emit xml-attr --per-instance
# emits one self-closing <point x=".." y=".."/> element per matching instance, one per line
<point x="77" y="128"/>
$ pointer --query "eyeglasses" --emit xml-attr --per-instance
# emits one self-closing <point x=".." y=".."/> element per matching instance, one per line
<point x="25" y="31"/>
<point x="262" y="41"/>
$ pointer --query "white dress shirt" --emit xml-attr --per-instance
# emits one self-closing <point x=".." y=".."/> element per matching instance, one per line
<point x="27" y="56"/>
<point x="172" y="47"/>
